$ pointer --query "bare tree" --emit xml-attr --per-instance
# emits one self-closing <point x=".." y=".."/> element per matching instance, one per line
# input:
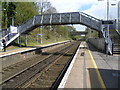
<point x="46" y="7"/>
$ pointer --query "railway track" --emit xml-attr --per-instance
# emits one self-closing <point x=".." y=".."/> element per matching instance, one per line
<point x="45" y="73"/>
<point x="17" y="68"/>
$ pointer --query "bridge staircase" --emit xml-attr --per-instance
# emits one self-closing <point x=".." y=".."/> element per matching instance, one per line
<point x="115" y="37"/>
<point x="112" y="38"/>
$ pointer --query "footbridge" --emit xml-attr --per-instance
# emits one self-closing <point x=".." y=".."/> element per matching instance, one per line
<point x="54" y="19"/>
<point x="61" y="19"/>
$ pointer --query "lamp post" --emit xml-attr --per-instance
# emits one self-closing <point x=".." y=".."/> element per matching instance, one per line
<point x="41" y="4"/>
<point x="107" y="9"/>
<point x="107" y="16"/>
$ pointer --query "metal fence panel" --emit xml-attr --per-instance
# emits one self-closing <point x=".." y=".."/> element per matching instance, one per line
<point x="75" y="17"/>
<point x="85" y="20"/>
<point x="37" y="20"/>
<point x="65" y="18"/>
<point x="46" y="19"/>
<point x="55" y="19"/>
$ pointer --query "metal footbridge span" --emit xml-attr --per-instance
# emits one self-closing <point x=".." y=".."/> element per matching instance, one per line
<point x="61" y="19"/>
<point x="54" y="19"/>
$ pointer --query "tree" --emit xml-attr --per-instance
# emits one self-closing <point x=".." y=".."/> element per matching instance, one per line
<point x="4" y="14"/>
<point x="26" y="10"/>
<point x="51" y="10"/>
<point x="11" y="13"/>
<point x="44" y="6"/>
<point x="91" y="33"/>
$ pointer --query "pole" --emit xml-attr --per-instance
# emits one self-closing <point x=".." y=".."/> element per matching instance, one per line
<point x="13" y="21"/>
<point x="41" y="35"/>
<point x="107" y="9"/>
<point x="118" y="16"/>
<point x="107" y="27"/>
<point x="26" y="40"/>
<point x="18" y="39"/>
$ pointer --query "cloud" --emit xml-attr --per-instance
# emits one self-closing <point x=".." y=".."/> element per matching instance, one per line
<point x="70" y="5"/>
<point x="100" y="10"/>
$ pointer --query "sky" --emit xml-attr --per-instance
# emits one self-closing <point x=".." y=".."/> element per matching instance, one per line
<point x="96" y="8"/>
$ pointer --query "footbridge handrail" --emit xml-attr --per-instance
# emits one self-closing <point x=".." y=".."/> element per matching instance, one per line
<point x="90" y="16"/>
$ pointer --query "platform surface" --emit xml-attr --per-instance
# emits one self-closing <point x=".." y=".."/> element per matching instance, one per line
<point x="91" y="69"/>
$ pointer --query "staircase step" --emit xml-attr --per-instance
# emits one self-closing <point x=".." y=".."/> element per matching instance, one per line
<point x="116" y="44"/>
<point x="115" y="48"/>
<point x="116" y="52"/>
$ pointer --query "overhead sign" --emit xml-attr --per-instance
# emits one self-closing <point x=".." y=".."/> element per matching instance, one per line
<point x="107" y="22"/>
<point x="13" y="29"/>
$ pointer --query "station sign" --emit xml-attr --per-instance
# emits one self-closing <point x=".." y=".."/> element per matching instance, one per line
<point x="107" y="22"/>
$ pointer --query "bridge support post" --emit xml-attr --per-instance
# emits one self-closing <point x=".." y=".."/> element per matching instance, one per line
<point x="41" y="35"/>
<point x="100" y="35"/>
<point x="26" y="40"/>
<point x="18" y="40"/>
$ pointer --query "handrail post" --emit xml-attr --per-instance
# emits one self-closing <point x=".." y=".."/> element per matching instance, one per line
<point x="60" y="19"/>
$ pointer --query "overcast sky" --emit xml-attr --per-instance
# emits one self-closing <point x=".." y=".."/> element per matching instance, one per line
<point x="95" y="8"/>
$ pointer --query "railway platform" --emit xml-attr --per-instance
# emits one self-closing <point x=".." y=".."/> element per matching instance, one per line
<point x="24" y="49"/>
<point x="91" y="69"/>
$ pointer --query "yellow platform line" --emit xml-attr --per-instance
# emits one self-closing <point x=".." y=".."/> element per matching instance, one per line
<point x="98" y="73"/>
